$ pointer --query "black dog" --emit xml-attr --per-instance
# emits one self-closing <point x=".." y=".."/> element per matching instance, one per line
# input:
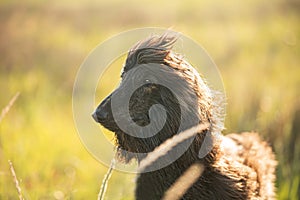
<point x="236" y="167"/>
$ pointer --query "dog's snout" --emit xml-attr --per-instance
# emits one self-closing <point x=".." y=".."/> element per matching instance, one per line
<point x="101" y="114"/>
<point x="94" y="115"/>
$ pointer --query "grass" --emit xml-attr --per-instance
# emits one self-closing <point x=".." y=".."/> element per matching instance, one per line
<point x="255" y="44"/>
<point x="106" y="178"/>
<point x="19" y="190"/>
<point x="184" y="182"/>
<point x="9" y="105"/>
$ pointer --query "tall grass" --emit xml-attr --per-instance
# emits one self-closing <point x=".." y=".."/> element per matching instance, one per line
<point x="4" y="112"/>
<point x="105" y="180"/>
<point x="184" y="182"/>
<point x="9" y="105"/>
<point x="19" y="190"/>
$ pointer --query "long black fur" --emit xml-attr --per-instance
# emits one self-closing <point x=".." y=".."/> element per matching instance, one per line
<point x="240" y="166"/>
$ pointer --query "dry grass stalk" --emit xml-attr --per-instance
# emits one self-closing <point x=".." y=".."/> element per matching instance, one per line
<point x="184" y="182"/>
<point x="9" y="105"/>
<point x="16" y="180"/>
<point x="105" y="181"/>
<point x="169" y="144"/>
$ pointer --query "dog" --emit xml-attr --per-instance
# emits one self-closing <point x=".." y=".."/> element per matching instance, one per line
<point x="235" y="166"/>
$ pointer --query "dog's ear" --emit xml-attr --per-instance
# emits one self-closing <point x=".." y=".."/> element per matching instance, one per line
<point x="166" y="95"/>
<point x="181" y="97"/>
<point x="169" y="100"/>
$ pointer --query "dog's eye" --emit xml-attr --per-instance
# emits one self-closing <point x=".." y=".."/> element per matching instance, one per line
<point x="147" y="80"/>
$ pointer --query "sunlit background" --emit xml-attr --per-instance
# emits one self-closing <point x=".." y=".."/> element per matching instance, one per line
<point x="255" y="44"/>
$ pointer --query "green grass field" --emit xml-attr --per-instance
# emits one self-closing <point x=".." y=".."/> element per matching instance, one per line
<point x="255" y="45"/>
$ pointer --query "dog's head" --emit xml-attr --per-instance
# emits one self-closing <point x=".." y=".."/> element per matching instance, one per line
<point x="152" y="76"/>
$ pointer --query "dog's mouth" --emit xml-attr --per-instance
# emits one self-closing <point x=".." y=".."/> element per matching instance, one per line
<point x="110" y="125"/>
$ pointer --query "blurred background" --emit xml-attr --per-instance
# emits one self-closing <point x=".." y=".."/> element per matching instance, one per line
<point x="255" y="44"/>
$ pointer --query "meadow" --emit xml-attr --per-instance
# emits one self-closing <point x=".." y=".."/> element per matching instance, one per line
<point x="255" y="45"/>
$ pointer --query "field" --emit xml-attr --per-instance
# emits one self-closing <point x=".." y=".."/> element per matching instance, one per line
<point x="255" y="45"/>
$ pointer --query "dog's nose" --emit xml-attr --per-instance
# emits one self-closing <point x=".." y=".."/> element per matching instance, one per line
<point x="94" y="115"/>
<point x="100" y="116"/>
<point x="103" y="112"/>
